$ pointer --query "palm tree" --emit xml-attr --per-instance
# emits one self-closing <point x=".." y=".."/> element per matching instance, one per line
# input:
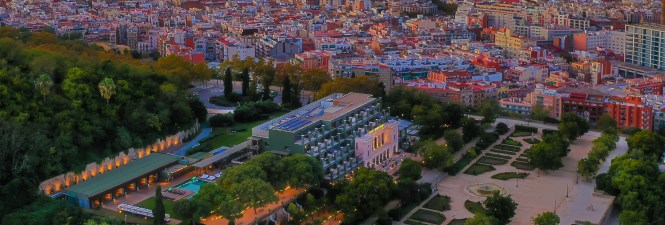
<point x="107" y="88"/>
<point x="44" y="84"/>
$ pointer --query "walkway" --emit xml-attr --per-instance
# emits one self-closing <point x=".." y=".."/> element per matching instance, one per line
<point x="182" y="151"/>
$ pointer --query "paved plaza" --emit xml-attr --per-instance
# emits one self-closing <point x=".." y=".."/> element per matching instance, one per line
<point x="552" y="191"/>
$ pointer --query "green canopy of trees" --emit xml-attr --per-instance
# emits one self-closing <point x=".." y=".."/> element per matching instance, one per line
<point x="364" y="194"/>
<point x="547" y="154"/>
<point x="66" y="104"/>
<point x="636" y="181"/>
<point x="546" y="218"/>
<point x="434" y="155"/>
<point x="500" y="207"/>
<point x="572" y="126"/>
<point x="410" y="169"/>
<point x="424" y="110"/>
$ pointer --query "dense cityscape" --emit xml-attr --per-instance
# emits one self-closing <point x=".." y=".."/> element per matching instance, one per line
<point x="328" y="112"/>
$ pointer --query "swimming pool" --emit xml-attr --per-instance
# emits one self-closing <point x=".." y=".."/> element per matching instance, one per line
<point x="193" y="185"/>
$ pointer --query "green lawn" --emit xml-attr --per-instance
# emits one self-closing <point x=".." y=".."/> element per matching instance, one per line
<point x="411" y="222"/>
<point x="428" y="216"/>
<point x="438" y="203"/>
<point x="460" y="164"/>
<point x="511" y="148"/>
<point x="476" y="169"/>
<point x="510" y="141"/>
<point x="107" y="213"/>
<point x="522" y="165"/>
<point x="520" y="134"/>
<point x="150" y="204"/>
<point x="457" y="222"/>
<point x="531" y="140"/>
<point x="509" y="175"/>
<point x="492" y="161"/>
<point x="474" y="207"/>
<point x="503" y="151"/>
<point x="501" y="156"/>
<point x="230" y="136"/>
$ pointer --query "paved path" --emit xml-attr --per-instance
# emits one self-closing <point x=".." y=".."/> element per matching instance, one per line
<point x="183" y="150"/>
<point x="578" y="207"/>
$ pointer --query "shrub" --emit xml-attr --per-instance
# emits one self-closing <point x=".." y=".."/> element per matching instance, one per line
<point x="254" y="111"/>
<point x="548" y="131"/>
<point x="486" y="139"/>
<point x="222" y="120"/>
<point x="526" y="129"/>
<point x="550" y="120"/>
<point x="501" y="128"/>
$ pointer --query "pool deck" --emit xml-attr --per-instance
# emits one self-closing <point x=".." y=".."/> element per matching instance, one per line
<point x="133" y="198"/>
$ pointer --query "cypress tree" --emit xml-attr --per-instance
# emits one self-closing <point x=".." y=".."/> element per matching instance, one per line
<point x="158" y="212"/>
<point x="287" y="96"/>
<point x="228" y="82"/>
<point x="245" y="81"/>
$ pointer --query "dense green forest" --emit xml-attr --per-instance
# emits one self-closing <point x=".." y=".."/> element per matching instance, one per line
<point x="64" y="104"/>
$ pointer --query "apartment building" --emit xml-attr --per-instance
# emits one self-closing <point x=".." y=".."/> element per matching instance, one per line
<point x="644" y="45"/>
<point x="343" y="131"/>
<point x="630" y="112"/>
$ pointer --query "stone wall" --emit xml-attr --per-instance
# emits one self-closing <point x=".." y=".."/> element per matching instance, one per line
<point x="60" y="182"/>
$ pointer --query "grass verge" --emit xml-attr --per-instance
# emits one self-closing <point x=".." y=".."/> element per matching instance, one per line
<point x="438" y="203"/>
<point x="492" y="161"/>
<point x="509" y="175"/>
<point x="522" y="165"/>
<point x="477" y="169"/>
<point x="428" y="216"/>
<point x="475" y="207"/>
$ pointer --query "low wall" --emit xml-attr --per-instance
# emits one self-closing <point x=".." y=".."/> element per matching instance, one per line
<point x="62" y="181"/>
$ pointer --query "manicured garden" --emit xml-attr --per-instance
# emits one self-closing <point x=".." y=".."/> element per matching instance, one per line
<point x="502" y="151"/>
<point x="509" y="175"/>
<point x="507" y="147"/>
<point x="474" y="207"/>
<point x="460" y="164"/>
<point x="457" y="222"/>
<point x="438" y="203"/>
<point x="523" y="165"/>
<point x="510" y="141"/>
<point x="428" y="216"/>
<point x="477" y="169"/>
<point x="532" y="141"/>
<point x="412" y="222"/>
<point x="492" y="161"/>
<point x="498" y="155"/>
<point x="520" y="134"/>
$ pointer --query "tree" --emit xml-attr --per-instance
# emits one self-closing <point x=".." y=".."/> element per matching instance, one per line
<point x="546" y="218"/>
<point x="489" y="110"/>
<point x="107" y="88"/>
<point x="453" y="140"/>
<point x="500" y="207"/>
<point x="572" y="126"/>
<point x="364" y="194"/>
<point x="158" y="212"/>
<point x="647" y="142"/>
<point x="480" y="219"/>
<point x="44" y="84"/>
<point x="301" y="170"/>
<point x="177" y="68"/>
<point x="287" y="96"/>
<point x="238" y="174"/>
<point x="230" y="209"/>
<point x="434" y="155"/>
<point x="273" y="166"/>
<point x="633" y="218"/>
<point x="254" y="193"/>
<point x="470" y="129"/>
<point x="539" y="112"/>
<point x="192" y="210"/>
<point x="605" y="122"/>
<point x="501" y="128"/>
<point x="245" y="81"/>
<point x="409" y="169"/>
<point x="228" y="83"/>
<point x="587" y="167"/>
<point x="545" y="156"/>
<point x="313" y="79"/>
